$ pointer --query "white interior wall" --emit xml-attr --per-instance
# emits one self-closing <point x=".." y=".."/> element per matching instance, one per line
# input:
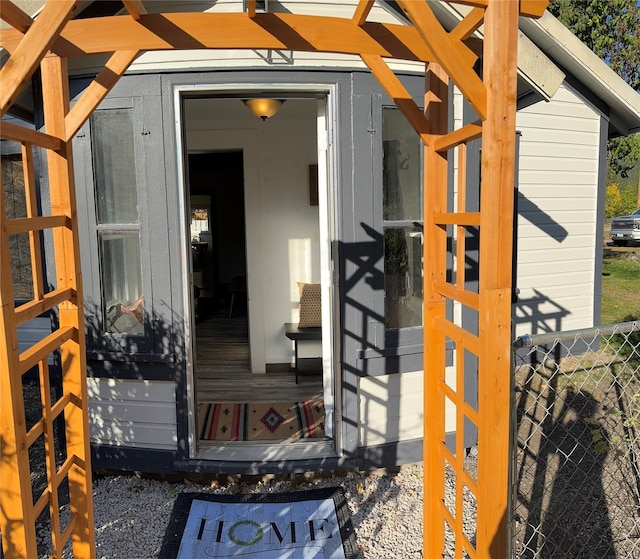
<point x="282" y="227"/>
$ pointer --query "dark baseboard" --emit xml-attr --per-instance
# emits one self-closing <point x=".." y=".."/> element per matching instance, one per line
<point x="128" y="459"/>
<point x="154" y="461"/>
<point x="390" y="455"/>
<point x="247" y="468"/>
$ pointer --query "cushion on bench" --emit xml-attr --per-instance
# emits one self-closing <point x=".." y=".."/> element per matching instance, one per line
<point x="310" y="305"/>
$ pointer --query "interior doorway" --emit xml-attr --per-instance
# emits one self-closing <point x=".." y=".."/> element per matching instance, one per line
<point x="219" y="267"/>
<point x="217" y="231"/>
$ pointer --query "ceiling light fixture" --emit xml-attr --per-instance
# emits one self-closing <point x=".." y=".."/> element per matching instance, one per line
<point x="264" y="108"/>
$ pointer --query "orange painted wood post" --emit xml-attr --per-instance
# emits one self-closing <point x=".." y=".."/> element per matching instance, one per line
<point x="55" y="93"/>
<point x="496" y="226"/>
<point x="434" y="261"/>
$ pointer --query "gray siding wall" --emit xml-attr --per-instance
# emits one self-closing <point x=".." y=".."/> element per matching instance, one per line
<point x="380" y="388"/>
<point x="132" y="413"/>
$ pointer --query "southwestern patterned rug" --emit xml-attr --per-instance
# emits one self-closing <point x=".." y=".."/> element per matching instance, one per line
<point x="261" y="421"/>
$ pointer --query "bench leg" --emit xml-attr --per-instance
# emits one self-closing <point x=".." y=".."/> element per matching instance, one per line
<point x="295" y="359"/>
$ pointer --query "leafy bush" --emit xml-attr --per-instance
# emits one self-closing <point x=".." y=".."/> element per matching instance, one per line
<point x="619" y="200"/>
<point x="628" y="345"/>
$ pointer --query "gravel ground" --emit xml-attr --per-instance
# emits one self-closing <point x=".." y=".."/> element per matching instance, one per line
<point x="132" y="512"/>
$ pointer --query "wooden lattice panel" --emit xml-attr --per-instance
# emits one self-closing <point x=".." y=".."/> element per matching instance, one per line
<point x="67" y="469"/>
<point x="493" y="100"/>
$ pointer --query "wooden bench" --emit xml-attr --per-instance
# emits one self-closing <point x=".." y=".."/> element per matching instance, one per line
<point x="306" y="365"/>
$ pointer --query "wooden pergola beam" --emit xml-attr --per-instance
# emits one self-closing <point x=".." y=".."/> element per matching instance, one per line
<point x="32" y="48"/>
<point x="449" y="53"/>
<point x="466" y="133"/>
<point x="16" y="511"/>
<point x="251" y="8"/>
<point x="495" y="274"/>
<point x="66" y="247"/>
<point x="401" y="97"/>
<point x="17" y="133"/>
<point x="469" y="24"/>
<point x="26" y="224"/>
<point x="97" y="91"/>
<point x="14" y="16"/>
<point x="362" y="11"/>
<point x="135" y="8"/>
<point x="237" y="31"/>
<point x="34" y="308"/>
<point x="434" y="266"/>
<point x="533" y="8"/>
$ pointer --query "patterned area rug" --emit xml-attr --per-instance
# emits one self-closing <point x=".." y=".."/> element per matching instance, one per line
<point x="261" y="421"/>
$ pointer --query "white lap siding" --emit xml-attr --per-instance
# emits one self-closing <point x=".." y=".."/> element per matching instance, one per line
<point x="132" y="413"/>
<point x="558" y="253"/>
<point x="391" y="408"/>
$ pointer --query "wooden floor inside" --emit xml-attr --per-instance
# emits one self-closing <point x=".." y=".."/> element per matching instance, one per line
<point x="222" y="365"/>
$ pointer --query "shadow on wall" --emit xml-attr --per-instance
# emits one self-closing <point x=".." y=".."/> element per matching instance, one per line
<point x="379" y="406"/>
<point x="542" y="314"/>
<point x="541" y="219"/>
<point x="360" y="268"/>
<point x="137" y="385"/>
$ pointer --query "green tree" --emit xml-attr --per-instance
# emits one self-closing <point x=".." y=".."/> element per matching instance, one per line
<point x="611" y="29"/>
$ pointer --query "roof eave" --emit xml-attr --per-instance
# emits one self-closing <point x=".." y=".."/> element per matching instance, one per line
<point x="553" y="38"/>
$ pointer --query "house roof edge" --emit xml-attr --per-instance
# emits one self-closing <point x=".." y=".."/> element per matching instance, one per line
<point x="561" y="45"/>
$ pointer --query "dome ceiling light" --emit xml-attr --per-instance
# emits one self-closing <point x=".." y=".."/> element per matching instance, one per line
<point x="264" y="108"/>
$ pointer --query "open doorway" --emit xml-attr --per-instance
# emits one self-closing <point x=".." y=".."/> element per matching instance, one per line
<point x="255" y="231"/>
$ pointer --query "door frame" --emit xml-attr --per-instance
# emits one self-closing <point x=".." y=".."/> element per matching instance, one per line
<point x="246" y="141"/>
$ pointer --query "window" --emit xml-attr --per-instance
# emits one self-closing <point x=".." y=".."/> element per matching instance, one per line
<point x="402" y="221"/>
<point x="117" y="220"/>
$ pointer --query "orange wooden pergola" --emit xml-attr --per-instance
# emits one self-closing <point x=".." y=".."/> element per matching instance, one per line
<point x="47" y="41"/>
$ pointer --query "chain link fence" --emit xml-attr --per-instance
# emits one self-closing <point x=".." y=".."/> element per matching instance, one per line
<point x="576" y="471"/>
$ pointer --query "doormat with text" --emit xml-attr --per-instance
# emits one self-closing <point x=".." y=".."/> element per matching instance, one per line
<point x="310" y="524"/>
<point x="261" y="421"/>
